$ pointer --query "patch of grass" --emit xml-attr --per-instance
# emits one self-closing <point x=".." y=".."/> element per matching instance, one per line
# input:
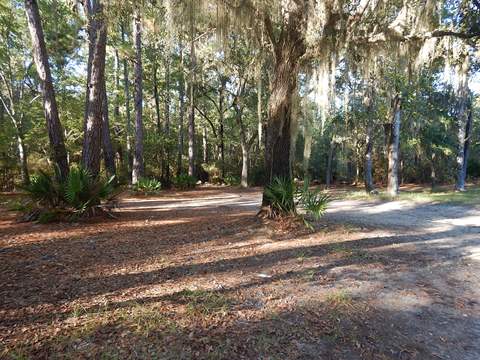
<point x="339" y="298"/>
<point x="202" y="302"/>
<point x="80" y="310"/>
<point x="302" y="255"/>
<point x="310" y="274"/>
<point x="469" y="197"/>
<point x="147" y="319"/>
<point x="341" y="249"/>
<point x="15" y="355"/>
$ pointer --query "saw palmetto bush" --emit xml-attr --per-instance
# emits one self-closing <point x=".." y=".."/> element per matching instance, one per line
<point x="314" y="202"/>
<point x="44" y="190"/>
<point x="147" y="186"/>
<point x="281" y="195"/>
<point x="80" y="194"/>
<point x="286" y="197"/>
<point x="184" y="182"/>
<point x="83" y="192"/>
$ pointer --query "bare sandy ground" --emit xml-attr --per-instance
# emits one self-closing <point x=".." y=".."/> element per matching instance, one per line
<point x="429" y="296"/>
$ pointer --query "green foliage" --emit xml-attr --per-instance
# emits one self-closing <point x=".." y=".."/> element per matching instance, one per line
<point x="83" y="192"/>
<point x="48" y="216"/>
<point x="201" y="302"/>
<point x="284" y="196"/>
<point x="44" y="189"/>
<point x="147" y="186"/>
<point x="313" y="201"/>
<point x="214" y="173"/>
<point x="184" y="182"/>
<point x="79" y="194"/>
<point x="280" y="194"/>
<point x="232" y="180"/>
<point x="257" y="175"/>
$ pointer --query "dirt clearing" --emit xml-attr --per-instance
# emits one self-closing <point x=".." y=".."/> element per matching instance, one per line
<point x="195" y="275"/>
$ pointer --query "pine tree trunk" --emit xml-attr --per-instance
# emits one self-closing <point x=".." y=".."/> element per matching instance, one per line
<point x="245" y="158"/>
<point x="462" y="114"/>
<point x="331" y="154"/>
<point x="205" y="145"/>
<point x="166" y="167"/>
<point x="433" y="175"/>
<point x="108" y="153"/>
<point x="22" y="151"/>
<point x="92" y="140"/>
<point x="243" y="142"/>
<point x="55" y="132"/>
<point x="368" y="176"/>
<point x="116" y="108"/>
<point x="191" y="118"/>
<point x="126" y="86"/>
<point x="468" y="134"/>
<point x="181" y="115"/>
<point x="307" y="147"/>
<point x="19" y="133"/>
<point x="221" y="98"/>
<point x="156" y="97"/>
<point x="394" y="146"/>
<point x="22" y="156"/>
<point x="259" y="104"/>
<point x="368" y="161"/>
<point x="138" y="166"/>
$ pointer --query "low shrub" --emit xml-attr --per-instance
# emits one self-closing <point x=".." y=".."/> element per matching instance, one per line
<point x="147" y="186"/>
<point x="281" y="195"/>
<point x="314" y="202"/>
<point x="285" y="197"/>
<point x="184" y="182"/>
<point x="232" y="180"/>
<point x="79" y="195"/>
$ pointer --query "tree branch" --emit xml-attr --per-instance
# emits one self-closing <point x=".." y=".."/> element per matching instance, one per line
<point x="208" y="120"/>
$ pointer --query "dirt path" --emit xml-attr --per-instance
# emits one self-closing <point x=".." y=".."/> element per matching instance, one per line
<point x="195" y="275"/>
<point x="435" y="300"/>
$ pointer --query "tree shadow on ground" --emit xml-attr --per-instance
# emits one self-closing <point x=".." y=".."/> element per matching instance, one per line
<point x="203" y="246"/>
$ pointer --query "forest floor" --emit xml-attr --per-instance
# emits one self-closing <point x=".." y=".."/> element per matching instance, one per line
<point x="195" y="275"/>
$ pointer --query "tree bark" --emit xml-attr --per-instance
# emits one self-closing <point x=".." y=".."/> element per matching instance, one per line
<point x="331" y="154"/>
<point x="181" y="115"/>
<point x="54" y="128"/>
<point x="166" y="166"/>
<point x="116" y="108"/>
<point x="126" y="87"/>
<point x="243" y="141"/>
<point x="191" y="119"/>
<point x="259" y="104"/>
<point x="138" y="166"/>
<point x="288" y="49"/>
<point x="394" y="146"/>
<point x="433" y="175"/>
<point x="463" y="120"/>
<point x="368" y="176"/>
<point x="205" y="145"/>
<point x="15" y="97"/>
<point x="307" y="147"/>
<point x="221" y="110"/>
<point x="156" y="97"/>
<point x="468" y="134"/>
<point x="92" y="140"/>
<point x="245" y="159"/>
<point x="108" y="153"/>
